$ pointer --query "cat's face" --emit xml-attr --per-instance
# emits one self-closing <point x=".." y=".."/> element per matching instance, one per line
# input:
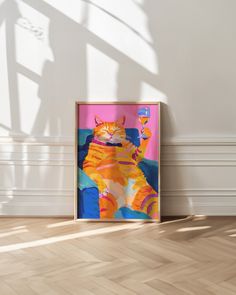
<point x="110" y="132"/>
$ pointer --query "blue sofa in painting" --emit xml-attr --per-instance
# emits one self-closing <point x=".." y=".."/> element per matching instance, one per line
<point x="88" y="196"/>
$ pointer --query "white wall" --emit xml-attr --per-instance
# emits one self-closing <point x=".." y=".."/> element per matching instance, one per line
<point x="53" y="53"/>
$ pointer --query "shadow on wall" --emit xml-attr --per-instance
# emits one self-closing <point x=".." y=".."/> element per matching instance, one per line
<point x="9" y="13"/>
<point x="193" y="58"/>
<point x="65" y="79"/>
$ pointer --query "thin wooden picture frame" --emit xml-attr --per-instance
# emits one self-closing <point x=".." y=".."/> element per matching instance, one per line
<point x="76" y="150"/>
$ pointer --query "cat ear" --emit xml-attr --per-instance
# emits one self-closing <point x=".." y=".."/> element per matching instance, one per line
<point x="98" y="120"/>
<point x="121" y="121"/>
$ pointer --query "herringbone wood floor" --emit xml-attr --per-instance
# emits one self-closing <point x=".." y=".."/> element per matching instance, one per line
<point x="59" y="256"/>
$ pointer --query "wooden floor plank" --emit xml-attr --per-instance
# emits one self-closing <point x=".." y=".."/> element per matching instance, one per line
<point x="54" y="256"/>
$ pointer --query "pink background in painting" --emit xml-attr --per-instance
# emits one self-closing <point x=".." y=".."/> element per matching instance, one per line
<point x="112" y="112"/>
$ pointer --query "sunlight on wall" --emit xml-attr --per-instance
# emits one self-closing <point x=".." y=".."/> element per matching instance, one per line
<point x="29" y="103"/>
<point x="151" y="93"/>
<point x="74" y="9"/>
<point x="32" y="48"/>
<point x="112" y="22"/>
<point x="136" y="21"/>
<point x="101" y="74"/>
<point x="121" y="36"/>
<point x="63" y="52"/>
<point x="5" y="120"/>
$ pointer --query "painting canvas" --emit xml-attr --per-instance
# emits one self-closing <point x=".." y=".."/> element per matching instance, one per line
<point x="118" y="162"/>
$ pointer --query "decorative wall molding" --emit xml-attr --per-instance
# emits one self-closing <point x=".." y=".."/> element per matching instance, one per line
<point x="38" y="140"/>
<point x="38" y="202"/>
<point x="60" y="151"/>
<point x="36" y="192"/>
<point x="38" y="162"/>
<point x="200" y="163"/>
<point x="164" y="193"/>
<point x="69" y="140"/>
<point x="37" y="176"/>
<point x="200" y="193"/>
<point x="202" y="141"/>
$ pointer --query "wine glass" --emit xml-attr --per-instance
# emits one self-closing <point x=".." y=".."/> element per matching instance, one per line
<point x="144" y="116"/>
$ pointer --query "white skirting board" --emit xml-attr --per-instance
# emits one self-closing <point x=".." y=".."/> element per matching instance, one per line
<point x="197" y="176"/>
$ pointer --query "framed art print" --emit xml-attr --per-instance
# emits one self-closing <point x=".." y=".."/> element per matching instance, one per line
<point x="117" y="152"/>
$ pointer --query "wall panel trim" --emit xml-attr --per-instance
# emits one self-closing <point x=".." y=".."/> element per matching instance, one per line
<point x="51" y="154"/>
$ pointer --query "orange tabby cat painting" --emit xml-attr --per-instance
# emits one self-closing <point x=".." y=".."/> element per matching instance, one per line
<point x="118" y="162"/>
